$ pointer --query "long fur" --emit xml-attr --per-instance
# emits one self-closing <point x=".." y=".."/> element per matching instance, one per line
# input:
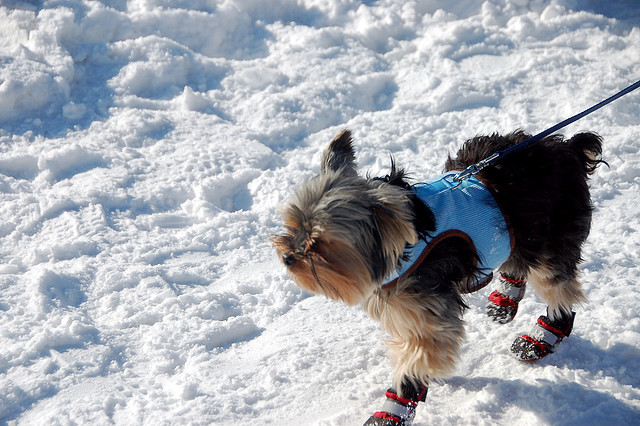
<point x="544" y="194"/>
<point x="345" y="233"/>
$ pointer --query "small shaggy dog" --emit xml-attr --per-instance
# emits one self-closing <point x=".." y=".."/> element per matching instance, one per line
<point x="408" y="253"/>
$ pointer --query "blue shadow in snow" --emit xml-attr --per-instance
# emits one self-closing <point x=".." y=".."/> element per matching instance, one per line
<point x="568" y="403"/>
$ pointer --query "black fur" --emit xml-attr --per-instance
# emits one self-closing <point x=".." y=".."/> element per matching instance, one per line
<point x="424" y="220"/>
<point x="543" y="193"/>
<point x="544" y="196"/>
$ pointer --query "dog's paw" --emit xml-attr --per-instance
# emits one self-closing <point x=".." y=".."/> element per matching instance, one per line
<point x="525" y="348"/>
<point x="397" y="411"/>
<point x="543" y="339"/>
<point x="384" y="419"/>
<point x="502" y="305"/>
<point x="501" y="313"/>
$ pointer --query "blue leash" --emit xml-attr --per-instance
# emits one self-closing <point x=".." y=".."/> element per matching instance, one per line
<point x="475" y="168"/>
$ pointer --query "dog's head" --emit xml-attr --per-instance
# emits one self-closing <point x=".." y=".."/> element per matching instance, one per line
<point x="344" y="233"/>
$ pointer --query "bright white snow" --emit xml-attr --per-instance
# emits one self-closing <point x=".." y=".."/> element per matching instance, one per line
<point x="146" y="144"/>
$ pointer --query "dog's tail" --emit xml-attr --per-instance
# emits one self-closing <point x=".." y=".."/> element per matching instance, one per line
<point x="588" y="147"/>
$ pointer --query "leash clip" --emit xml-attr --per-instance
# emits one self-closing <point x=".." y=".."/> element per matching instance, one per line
<point x="474" y="169"/>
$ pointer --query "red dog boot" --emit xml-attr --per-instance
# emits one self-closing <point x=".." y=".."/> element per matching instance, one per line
<point x="543" y="339"/>
<point x="503" y="301"/>
<point x="398" y="411"/>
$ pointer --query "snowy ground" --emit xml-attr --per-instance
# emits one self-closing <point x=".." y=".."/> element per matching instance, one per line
<point x="145" y="146"/>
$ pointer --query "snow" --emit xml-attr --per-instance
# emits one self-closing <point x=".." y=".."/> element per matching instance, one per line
<point x="146" y="144"/>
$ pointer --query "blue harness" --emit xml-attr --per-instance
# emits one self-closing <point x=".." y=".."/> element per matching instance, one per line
<point x="464" y="209"/>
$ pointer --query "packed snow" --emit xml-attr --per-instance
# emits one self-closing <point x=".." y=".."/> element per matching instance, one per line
<point x="145" y="146"/>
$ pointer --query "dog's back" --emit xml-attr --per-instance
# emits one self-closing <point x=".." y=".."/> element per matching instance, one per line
<point x="544" y="195"/>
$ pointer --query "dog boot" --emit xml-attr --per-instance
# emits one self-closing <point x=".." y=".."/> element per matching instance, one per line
<point x="543" y="339"/>
<point x="503" y="301"/>
<point x="398" y="411"/>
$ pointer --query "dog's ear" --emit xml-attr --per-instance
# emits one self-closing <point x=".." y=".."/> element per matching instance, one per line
<point x="339" y="155"/>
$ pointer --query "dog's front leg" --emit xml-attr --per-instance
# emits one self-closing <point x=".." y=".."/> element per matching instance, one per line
<point x="399" y="410"/>
<point x="425" y="334"/>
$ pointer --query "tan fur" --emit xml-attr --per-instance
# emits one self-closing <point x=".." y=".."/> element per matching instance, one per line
<point x="594" y="158"/>
<point x="397" y="230"/>
<point x="327" y="262"/>
<point x="424" y="338"/>
<point x="339" y="273"/>
<point x="559" y="294"/>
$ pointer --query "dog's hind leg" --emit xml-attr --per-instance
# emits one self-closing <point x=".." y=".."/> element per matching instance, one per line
<point x="509" y="290"/>
<point x="560" y="292"/>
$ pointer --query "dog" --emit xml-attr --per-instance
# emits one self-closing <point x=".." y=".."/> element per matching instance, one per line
<point x="409" y="253"/>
